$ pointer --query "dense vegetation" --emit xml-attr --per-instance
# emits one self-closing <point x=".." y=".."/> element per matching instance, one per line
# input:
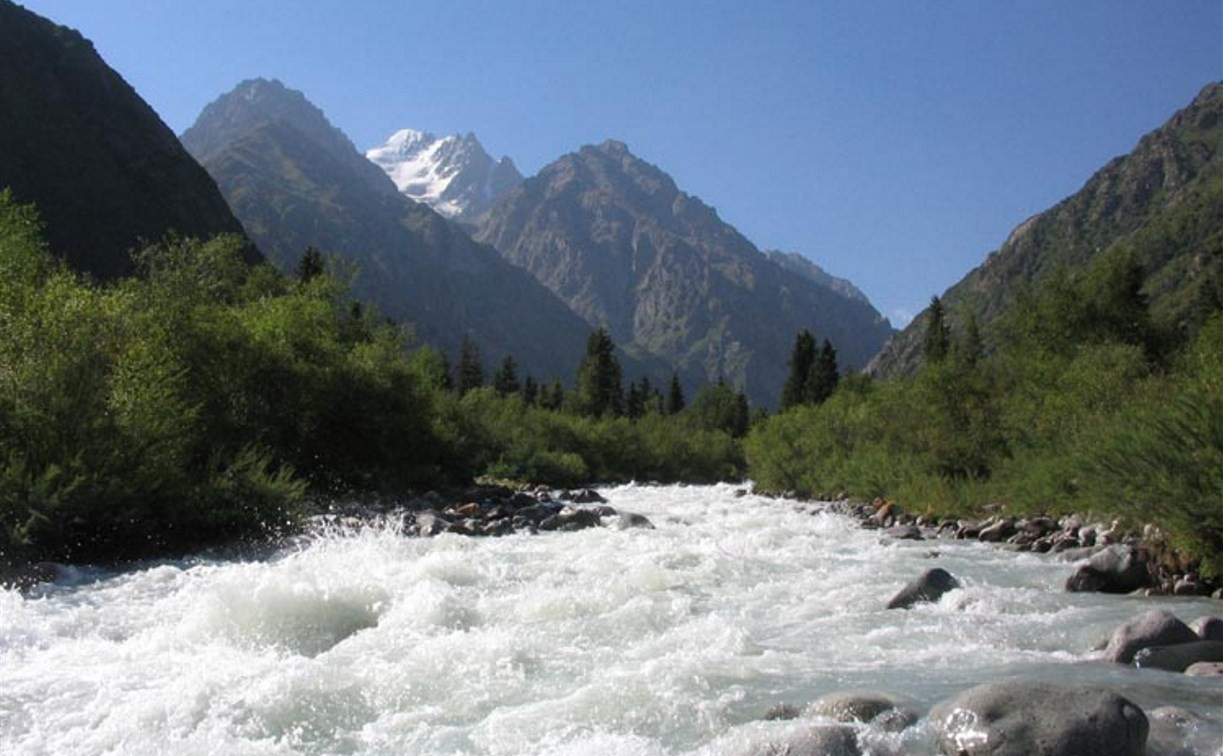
<point x="1080" y="400"/>
<point x="205" y="400"/>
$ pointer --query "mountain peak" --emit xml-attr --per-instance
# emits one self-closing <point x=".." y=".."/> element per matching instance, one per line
<point x="454" y="175"/>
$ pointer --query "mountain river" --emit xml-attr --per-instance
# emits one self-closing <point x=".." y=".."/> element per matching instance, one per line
<point x="674" y="640"/>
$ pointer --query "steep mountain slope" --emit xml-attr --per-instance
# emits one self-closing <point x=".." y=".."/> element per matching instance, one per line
<point x="296" y="181"/>
<point x="616" y="239"/>
<point x="454" y="175"/>
<point x="76" y="140"/>
<point x="797" y="263"/>
<point x="1163" y="201"/>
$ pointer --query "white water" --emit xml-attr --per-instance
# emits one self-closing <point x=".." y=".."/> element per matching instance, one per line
<point x="665" y="641"/>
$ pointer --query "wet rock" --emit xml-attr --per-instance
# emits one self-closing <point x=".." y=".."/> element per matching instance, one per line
<point x="1186" y="586"/>
<point x="25" y="576"/>
<point x="832" y="740"/>
<point x="881" y="711"/>
<point x="967" y="529"/>
<point x="1019" y="718"/>
<point x="627" y="520"/>
<point x="1157" y="627"/>
<point x="1208" y="628"/>
<point x="470" y="509"/>
<point x="536" y="513"/>
<point x="1205" y="669"/>
<point x="571" y="519"/>
<point x="929" y="586"/>
<point x="431" y="522"/>
<point x="584" y="496"/>
<point x="998" y="531"/>
<point x="1118" y="569"/>
<point x="781" y="711"/>
<point x="904" y="533"/>
<point x="1180" y="657"/>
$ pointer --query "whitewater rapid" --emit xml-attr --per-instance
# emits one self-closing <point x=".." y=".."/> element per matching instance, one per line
<point x="674" y="640"/>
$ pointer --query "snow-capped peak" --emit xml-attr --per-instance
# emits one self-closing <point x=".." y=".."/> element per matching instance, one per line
<point x="453" y="174"/>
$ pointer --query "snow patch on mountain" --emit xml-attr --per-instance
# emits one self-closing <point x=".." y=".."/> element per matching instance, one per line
<point x="453" y="174"/>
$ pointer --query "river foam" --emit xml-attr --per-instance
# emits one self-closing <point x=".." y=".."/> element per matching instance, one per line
<point x="667" y="641"/>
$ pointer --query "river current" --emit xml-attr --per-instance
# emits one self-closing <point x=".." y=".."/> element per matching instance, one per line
<point x="674" y="640"/>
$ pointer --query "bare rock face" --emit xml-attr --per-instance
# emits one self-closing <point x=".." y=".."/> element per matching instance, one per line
<point x="1117" y="569"/>
<point x="1039" y="719"/>
<point x="930" y="586"/>
<point x="1157" y="627"/>
<point x="624" y="247"/>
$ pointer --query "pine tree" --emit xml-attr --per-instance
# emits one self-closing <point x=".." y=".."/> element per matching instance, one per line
<point x="505" y="380"/>
<point x="530" y="391"/>
<point x="311" y="265"/>
<point x="634" y="404"/>
<point x="675" y="396"/>
<point x="598" y="390"/>
<point x="471" y="371"/>
<point x="937" y="340"/>
<point x="802" y="359"/>
<point x="552" y="395"/>
<point x="824" y="376"/>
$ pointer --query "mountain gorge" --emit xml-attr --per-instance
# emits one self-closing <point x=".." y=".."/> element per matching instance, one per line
<point x="454" y="175"/>
<point x="1161" y="204"/>
<point x="624" y="247"/>
<point x="77" y="141"/>
<point x="297" y="181"/>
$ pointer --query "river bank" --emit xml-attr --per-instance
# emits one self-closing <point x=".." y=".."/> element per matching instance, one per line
<point x="677" y="639"/>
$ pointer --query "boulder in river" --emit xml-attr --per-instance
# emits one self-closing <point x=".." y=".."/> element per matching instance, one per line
<point x="627" y="520"/>
<point x="827" y="740"/>
<point x="1208" y="628"/>
<point x="1117" y="569"/>
<point x="904" y="533"/>
<point x="1180" y="657"/>
<point x="1158" y="627"/>
<point x="929" y="586"/>
<point x="880" y="710"/>
<point x="1205" y="669"/>
<point x="1020" y="718"/>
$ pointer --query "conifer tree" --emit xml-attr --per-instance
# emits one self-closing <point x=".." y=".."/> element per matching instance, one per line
<point x="675" y="396"/>
<point x="824" y="376"/>
<point x="505" y="380"/>
<point x="802" y="359"/>
<point x="471" y="371"/>
<point x="634" y="403"/>
<point x="311" y="265"/>
<point x="937" y="340"/>
<point x="530" y="391"/>
<point x="598" y="390"/>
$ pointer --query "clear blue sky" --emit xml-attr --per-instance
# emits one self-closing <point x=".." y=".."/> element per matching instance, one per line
<point x="895" y="143"/>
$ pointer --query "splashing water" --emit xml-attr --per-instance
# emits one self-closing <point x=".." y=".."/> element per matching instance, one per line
<point x="667" y="641"/>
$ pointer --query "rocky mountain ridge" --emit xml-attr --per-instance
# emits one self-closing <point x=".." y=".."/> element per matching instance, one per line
<point x="76" y="140"/>
<point x="1162" y="202"/>
<point x="616" y="239"/>
<point x="297" y="181"/>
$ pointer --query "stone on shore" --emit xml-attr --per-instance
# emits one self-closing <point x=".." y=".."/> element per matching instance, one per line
<point x="1158" y="627"/>
<point x="929" y="586"/>
<point x="1208" y="628"/>
<point x="1018" y="718"/>
<point x="1180" y="657"/>
<point x="1117" y="569"/>
<point x="1205" y="669"/>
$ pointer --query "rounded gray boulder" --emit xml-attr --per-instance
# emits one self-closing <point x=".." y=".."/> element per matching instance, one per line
<point x="1180" y="657"/>
<point x="1117" y="569"/>
<point x="929" y="586"/>
<point x="1018" y="718"/>
<point x="1158" y="627"/>
<point x="877" y="709"/>
<point x="1208" y="628"/>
